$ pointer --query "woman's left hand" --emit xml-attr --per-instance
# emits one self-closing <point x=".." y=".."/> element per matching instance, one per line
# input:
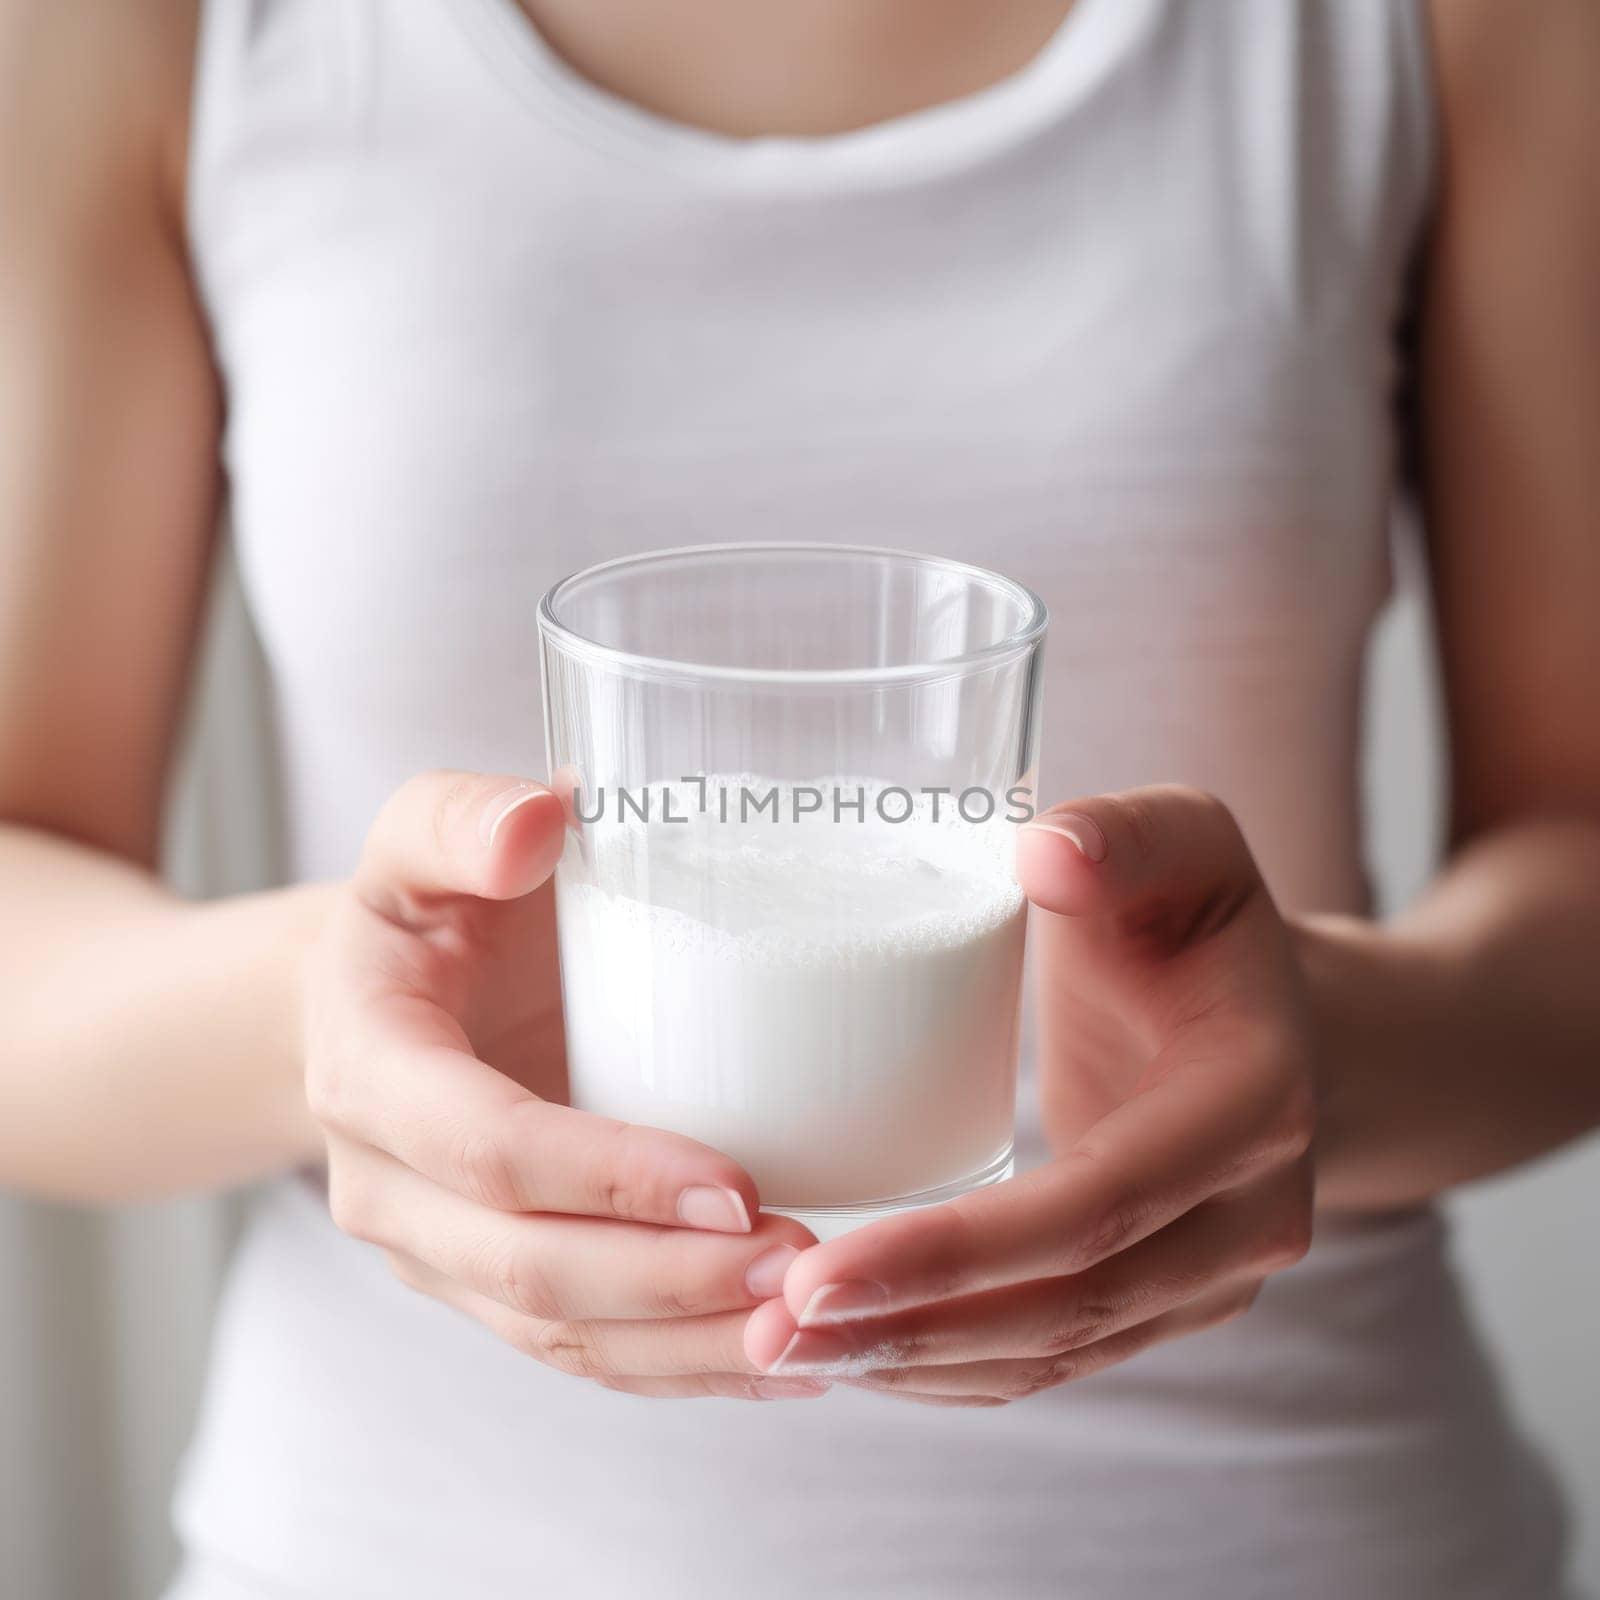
<point x="1177" y="1079"/>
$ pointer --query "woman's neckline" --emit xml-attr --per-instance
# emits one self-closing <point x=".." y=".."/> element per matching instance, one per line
<point x="946" y="136"/>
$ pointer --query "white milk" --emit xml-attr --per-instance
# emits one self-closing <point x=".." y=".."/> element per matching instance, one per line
<point x="833" y="1003"/>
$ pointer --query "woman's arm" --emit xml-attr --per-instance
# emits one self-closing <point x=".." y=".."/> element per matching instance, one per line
<point x="1465" y="1037"/>
<point x="145" y="1044"/>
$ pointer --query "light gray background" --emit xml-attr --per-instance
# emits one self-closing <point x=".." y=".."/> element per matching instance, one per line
<point x="102" y="1342"/>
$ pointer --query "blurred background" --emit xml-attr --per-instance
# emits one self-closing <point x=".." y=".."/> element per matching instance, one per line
<point x="103" y="1343"/>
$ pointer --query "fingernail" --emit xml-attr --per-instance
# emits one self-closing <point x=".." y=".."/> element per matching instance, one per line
<point x="764" y="1276"/>
<point x="497" y="809"/>
<point x="1083" y="831"/>
<point x="813" y="1350"/>
<point x="788" y="1388"/>
<point x="706" y="1207"/>
<point x="838" y="1302"/>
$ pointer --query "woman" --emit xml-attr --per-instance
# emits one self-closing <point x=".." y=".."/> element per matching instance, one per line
<point x="1108" y="294"/>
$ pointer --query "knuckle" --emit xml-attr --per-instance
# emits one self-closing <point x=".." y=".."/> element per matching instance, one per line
<point x="1177" y="1283"/>
<point x="1112" y="1230"/>
<point x="522" y="1334"/>
<point x="623" y="1199"/>
<point x="1086" y="1323"/>
<point x="892" y="1378"/>
<point x="1202" y="801"/>
<point x="616" y="1185"/>
<point x="351" y="1205"/>
<point x="406" y="1269"/>
<point x="420" y="786"/>
<point x="946" y="1247"/>
<point x="413" y="801"/>
<point x="1225" y="1308"/>
<point x="910" y="1348"/>
<point x="1213" y="815"/>
<point x="568" y="1347"/>
<point x="1299" y="1120"/>
<point x="1136" y="819"/>
<point x="1276" y="1148"/>
<point x="1285" y="1243"/>
<point x="667" y="1293"/>
<point x="516" y="1282"/>
<point x="455" y="793"/>
<point x="1034" y="1377"/>
<point x="1238" y="1303"/>
<point x="894" y="1362"/>
<point x="484" y="1170"/>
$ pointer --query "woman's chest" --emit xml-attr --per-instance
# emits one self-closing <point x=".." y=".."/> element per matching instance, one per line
<point x="428" y="429"/>
<point x="822" y="68"/>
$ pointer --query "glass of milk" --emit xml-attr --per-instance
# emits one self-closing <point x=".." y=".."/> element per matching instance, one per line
<point x="789" y="919"/>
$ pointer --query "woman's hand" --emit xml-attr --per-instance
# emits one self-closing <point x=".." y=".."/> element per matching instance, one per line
<point x="1178" y="1093"/>
<point x="435" y="1065"/>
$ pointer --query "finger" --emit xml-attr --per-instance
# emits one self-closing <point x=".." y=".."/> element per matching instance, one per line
<point x="1206" y="1125"/>
<point x="669" y="1347"/>
<point x="408" y="1085"/>
<point x="557" y="1267"/>
<point x="722" y="1385"/>
<point x="524" y="1334"/>
<point x="1017" y="1380"/>
<point x="643" y="1348"/>
<point x="1166" y="856"/>
<point x="1237" y="1240"/>
<point x="911" y="1397"/>
<point x="455" y="833"/>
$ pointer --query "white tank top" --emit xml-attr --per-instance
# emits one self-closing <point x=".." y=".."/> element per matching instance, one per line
<point x="1124" y="326"/>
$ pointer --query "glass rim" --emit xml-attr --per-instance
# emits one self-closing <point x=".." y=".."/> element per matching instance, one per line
<point x="1035" y="619"/>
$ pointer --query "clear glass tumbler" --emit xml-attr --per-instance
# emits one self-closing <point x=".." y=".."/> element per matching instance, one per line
<point x="789" y="919"/>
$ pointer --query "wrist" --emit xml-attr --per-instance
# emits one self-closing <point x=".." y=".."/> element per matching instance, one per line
<point x="1376" y="1001"/>
<point x="306" y="911"/>
<point x="274" y="933"/>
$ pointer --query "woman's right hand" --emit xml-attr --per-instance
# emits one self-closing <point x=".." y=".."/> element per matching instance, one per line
<point x="435" y="1066"/>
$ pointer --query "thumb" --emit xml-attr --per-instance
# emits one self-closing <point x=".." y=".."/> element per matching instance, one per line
<point x="1168" y="861"/>
<point x="460" y="833"/>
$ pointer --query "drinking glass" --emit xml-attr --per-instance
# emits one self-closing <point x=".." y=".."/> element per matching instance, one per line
<point x="787" y="904"/>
